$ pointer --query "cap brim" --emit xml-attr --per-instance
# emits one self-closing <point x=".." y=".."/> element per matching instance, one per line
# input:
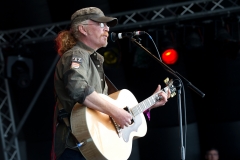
<point x="111" y="22"/>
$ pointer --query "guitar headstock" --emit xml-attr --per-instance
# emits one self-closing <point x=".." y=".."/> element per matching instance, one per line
<point x="170" y="86"/>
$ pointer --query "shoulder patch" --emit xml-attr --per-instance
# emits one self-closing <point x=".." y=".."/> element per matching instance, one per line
<point x="75" y="65"/>
<point x="77" y="59"/>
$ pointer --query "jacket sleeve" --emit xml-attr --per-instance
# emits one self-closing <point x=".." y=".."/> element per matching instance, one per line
<point x="75" y="77"/>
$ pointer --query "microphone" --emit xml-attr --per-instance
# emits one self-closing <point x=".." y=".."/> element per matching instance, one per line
<point x="138" y="33"/>
<point x="115" y="36"/>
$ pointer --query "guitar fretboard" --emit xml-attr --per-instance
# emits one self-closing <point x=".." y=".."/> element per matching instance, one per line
<point x="147" y="103"/>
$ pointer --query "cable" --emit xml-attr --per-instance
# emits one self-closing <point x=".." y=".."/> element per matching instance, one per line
<point x="155" y="46"/>
<point x="184" y="99"/>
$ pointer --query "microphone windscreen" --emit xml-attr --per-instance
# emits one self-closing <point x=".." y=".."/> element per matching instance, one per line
<point x="113" y="36"/>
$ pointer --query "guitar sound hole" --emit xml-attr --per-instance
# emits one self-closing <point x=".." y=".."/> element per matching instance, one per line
<point x="132" y="121"/>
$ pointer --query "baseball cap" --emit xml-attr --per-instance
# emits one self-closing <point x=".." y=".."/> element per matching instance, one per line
<point x="94" y="14"/>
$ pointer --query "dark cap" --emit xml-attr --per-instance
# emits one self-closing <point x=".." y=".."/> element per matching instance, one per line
<point x="95" y="14"/>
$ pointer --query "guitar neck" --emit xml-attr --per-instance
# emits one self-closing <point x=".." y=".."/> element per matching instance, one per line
<point x="147" y="103"/>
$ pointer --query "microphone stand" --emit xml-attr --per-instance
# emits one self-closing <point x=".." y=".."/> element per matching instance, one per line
<point x="178" y="87"/>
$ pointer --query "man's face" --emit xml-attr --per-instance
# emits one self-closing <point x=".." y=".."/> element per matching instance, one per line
<point x="97" y="34"/>
<point x="212" y="155"/>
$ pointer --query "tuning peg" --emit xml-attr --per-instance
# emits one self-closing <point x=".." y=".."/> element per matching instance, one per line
<point x="166" y="80"/>
<point x="173" y="94"/>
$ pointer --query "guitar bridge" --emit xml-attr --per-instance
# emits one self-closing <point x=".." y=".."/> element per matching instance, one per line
<point x="117" y="128"/>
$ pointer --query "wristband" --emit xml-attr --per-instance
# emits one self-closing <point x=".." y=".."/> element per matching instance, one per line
<point x="147" y="112"/>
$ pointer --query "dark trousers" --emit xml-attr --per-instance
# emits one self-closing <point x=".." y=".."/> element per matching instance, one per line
<point x="70" y="154"/>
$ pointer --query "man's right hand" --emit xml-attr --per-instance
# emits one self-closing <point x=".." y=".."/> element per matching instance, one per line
<point x="122" y="117"/>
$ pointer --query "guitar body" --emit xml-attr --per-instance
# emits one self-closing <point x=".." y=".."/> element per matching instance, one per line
<point x="98" y="131"/>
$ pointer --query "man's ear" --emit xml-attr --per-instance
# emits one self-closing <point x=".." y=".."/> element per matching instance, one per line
<point x="82" y="29"/>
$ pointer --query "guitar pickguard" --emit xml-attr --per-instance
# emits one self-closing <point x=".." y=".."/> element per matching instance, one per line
<point x="126" y="131"/>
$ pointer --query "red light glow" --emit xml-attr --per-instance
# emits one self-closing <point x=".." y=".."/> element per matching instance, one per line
<point x="170" y="56"/>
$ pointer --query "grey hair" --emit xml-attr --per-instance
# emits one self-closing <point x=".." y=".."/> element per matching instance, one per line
<point x="74" y="28"/>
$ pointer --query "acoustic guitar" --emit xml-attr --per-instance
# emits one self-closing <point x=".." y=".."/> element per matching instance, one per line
<point x="100" y="138"/>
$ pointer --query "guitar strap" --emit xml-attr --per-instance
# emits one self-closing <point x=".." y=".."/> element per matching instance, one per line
<point x="111" y="87"/>
<point x="63" y="115"/>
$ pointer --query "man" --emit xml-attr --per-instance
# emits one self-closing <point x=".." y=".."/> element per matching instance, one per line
<point x="212" y="154"/>
<point x="79" y="76"/>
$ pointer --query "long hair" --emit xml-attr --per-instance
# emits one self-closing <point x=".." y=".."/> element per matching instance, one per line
<point x="64" y="41"/>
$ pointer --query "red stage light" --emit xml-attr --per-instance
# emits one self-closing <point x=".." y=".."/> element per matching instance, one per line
<point x="170" y="56"/>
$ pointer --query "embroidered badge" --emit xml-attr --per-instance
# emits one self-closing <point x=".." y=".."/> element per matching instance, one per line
<point x="77" y="59"/>
<point x="76" y="62"/>
<point x="75" y="65"/>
